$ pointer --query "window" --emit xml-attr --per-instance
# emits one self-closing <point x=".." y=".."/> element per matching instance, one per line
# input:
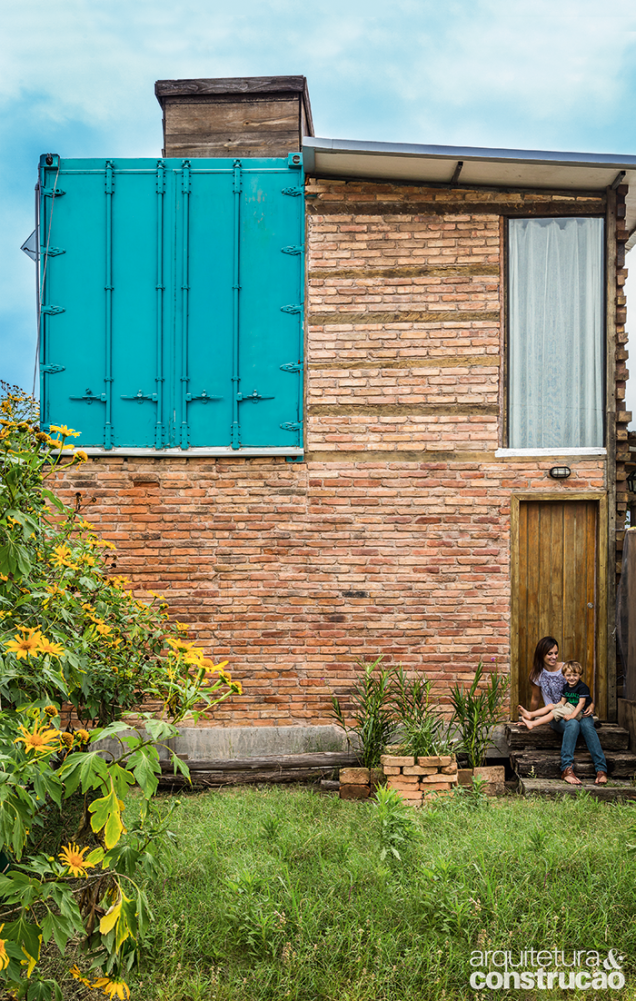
<point x="172" y="296"/>
<point x="555" y="307"/>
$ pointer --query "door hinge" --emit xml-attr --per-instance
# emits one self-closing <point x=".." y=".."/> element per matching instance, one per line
<point x="291" y="426"/>
<point x="52" y="310"/>
<point x="292" y="250"/>
<point x="295" y="308"/>
<point x="52" y="369"/>
<point x="51" y="252"/>
<point x="295" y="191"/>
<point x="52" y="192"/>
<point x="291" y="366"/>
<point x="295" y="160"/>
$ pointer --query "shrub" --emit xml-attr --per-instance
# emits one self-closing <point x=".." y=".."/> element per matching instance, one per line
<point x="76" y="646"/>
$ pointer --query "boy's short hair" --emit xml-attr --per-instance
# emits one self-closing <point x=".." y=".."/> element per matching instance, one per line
<point x="574" y="667"/>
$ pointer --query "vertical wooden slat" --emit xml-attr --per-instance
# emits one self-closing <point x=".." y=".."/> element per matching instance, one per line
<point x="609" y="652"/>
<point x="517" y="622"/>
<point x="568" y="640"/>
<point x="589" y="598"/>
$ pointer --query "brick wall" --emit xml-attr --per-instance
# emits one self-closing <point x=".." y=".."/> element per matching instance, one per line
<point x="393" y="537"/>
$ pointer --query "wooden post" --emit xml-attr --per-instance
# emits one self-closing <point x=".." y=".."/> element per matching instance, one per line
<point x="234" y="116"/>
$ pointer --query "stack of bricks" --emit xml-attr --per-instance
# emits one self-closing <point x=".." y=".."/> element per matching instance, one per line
<point x="359" y="783"/>
<point x="430" y="777"/>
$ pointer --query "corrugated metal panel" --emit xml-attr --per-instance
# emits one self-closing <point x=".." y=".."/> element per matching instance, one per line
<point x="173" y="318"/>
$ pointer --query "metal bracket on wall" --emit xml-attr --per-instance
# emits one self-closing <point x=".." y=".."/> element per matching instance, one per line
<point x="52" y="192"/>
<point x="291" y="426"/>
<point x="52" y="369"/>
<point x="52" y="310"/>
<point x="295" y="251"/>
<point x="291" y="366"/>
<point x="294" y="308"/>
<point x="51" y="252"/>
<point x="294" y="190"/>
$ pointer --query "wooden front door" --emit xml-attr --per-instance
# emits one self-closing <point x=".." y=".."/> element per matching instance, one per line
<point x="556" y="584"/>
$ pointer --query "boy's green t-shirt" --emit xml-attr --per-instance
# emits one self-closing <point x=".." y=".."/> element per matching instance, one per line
<point x="573" y="693"/>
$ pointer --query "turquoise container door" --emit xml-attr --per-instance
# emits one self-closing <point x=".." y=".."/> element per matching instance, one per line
<point x="271" y="311"/>
<point x="172" y="302"/>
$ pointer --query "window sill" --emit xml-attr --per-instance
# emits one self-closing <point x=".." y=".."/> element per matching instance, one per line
<point x="192" y="453"/>
<point x="502" y="453"/>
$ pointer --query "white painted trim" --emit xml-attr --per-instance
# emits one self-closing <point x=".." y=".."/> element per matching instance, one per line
<point x="192" y="453"/>
<point x="502" y="453"/>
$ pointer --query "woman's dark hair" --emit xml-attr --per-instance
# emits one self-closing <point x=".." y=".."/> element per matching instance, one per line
<point x="543" y="647"/>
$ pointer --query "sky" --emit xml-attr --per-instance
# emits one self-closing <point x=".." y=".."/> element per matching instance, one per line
<point x="77" y="78"/>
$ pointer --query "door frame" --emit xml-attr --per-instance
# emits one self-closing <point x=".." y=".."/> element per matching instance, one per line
<point x="602" y="660"/>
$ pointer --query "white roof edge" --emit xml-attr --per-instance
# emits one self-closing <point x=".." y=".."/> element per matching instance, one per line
<point x="313" y="145"/>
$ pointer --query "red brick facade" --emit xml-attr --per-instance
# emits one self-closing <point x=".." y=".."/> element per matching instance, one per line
<point x="393" y="537"/>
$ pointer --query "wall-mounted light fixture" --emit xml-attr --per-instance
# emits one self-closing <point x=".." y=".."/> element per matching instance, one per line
<point x="560" y="472"/>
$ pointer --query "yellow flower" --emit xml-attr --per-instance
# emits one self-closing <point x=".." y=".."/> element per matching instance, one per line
<point x="109" y="545"/>
<point x="5" y="959"/>
<point x="67" y="739"/>
<point x="103" y="629"/>
<point x="225" y="676"/>
<point x="113" y="988"/>
<point x="51" y="710"/>
<point x="80" y="456"/>
<point x="60" y="557"/>
<point x="25" y="644"/>
<point x="181" y="626"/>
<point x="83" y="735"/>
<point x="74" y="860"/>
<point x="178" y="644"/>
<point x="54" y="649"/>
<point x="237" y="687"/>
<point x="77" y="973"/>
<point x="64" y="431"/>
<point x="38" y="740"/>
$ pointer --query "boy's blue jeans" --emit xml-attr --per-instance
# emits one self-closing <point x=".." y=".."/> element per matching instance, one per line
<point x="570" y="728"/>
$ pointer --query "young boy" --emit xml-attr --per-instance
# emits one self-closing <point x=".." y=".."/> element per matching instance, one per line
<point x="576" y="697"/>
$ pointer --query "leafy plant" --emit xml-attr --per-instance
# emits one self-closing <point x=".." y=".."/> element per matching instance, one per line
<point x="423" y="728"/>
<point x="476" y="710"/>
<point x="373" y="716"/>
<point x="76" y="646"/>
<point x="397" y="824"/>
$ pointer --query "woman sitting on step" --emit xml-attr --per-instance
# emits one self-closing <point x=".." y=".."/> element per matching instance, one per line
<point x="547" y="681"/>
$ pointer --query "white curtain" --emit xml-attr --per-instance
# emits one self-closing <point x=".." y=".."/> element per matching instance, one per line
<point x="555" y="303"/>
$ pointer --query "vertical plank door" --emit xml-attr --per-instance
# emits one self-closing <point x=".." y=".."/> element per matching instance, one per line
<point x="557" y="585"/>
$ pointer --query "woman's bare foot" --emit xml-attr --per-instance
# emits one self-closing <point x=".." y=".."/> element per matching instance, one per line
<point x="525" y="723"/>
<point x="523" y="712"/>
<point x="568" y="776"/>
<point x="601" y="779"/>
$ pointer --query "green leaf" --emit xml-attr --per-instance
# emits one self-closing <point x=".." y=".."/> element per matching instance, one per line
<point x="107" y="815"/>
<point x="122" y="779"/>
<point x="145" y="766"/>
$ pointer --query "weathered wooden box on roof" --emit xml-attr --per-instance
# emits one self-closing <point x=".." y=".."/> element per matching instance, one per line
<point x="235" y="116"/>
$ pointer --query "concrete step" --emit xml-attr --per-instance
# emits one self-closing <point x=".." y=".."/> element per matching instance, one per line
<point x="611" y="736"/>
<point x="546" y="764"/>
<point x="614" y="790"/>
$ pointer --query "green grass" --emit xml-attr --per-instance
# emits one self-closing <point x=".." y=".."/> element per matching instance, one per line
<point x="276" y="893"/>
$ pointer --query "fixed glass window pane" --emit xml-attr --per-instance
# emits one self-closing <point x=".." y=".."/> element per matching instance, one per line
<point x="555" y="301"/>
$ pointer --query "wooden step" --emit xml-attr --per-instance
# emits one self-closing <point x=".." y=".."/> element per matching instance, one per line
<point x="611" y="736"/>
<point x="614" y="790"/>
<point x="546" y="764"/>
